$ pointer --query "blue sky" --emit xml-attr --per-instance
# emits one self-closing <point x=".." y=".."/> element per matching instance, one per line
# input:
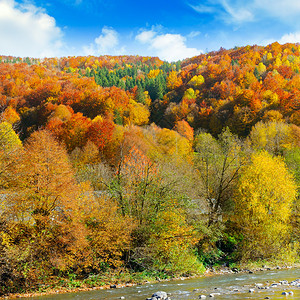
<point x="172" y="30"/>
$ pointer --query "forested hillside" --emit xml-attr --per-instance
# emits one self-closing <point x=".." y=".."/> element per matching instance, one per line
<point x="131" y="164"/>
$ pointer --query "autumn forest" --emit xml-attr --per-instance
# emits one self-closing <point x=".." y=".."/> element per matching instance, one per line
<point x="133" y="165"/>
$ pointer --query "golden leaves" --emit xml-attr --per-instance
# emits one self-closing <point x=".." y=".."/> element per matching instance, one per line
<point x="263" y="204"/>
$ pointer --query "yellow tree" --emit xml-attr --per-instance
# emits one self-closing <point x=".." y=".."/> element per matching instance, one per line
<point x="47" y="193"/>
<point x="261" y="68"/>
<point x="137" y="114"/>
<point x="173" y="81"/>
<point x="108" y="233"/>
<point x="171" y="244"/>
<point x="45" y="177"/>
<point x="197" y="81"/>
<point x="153" y="73"/>
<point x="272" y="136"/>
<point x="41" y="209"/>
<point x="263" y="201"/>
<point x="9" y="140"/>
<point x="62" y="112"/>
<point x="172" y="143"/>
<point x="10" y="144"/>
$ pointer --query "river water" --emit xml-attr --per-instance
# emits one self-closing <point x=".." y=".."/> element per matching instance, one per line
<point x="229" y="286"/>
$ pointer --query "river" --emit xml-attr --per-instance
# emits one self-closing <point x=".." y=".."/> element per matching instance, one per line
<point x="229" y="286"/>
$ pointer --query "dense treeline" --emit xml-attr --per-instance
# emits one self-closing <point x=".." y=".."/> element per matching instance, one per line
<point x="131" y="163"/>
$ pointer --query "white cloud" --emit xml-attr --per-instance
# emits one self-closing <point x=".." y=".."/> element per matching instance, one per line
<point x="202" y="9"/>
<point x="293" y="37"/>
<point x="240" y="11"/>
<point x="106" y="43"/>
<point x="290" y="38"/>
<point x="109" y="39"/>
<point x="146" y="36"/>
<point x="26" y="30"/>
<point x="193" y="34"/>
<point x="170" y="47"/>
<point x="231" y="11"/>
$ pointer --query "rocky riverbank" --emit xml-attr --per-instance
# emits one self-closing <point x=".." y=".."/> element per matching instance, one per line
<point x="282" y="287"/>
<point x="265" y="290"/>
<point x="118" y="284"/>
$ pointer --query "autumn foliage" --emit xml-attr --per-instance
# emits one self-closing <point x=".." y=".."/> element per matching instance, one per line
<point x="119" y="164"/>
